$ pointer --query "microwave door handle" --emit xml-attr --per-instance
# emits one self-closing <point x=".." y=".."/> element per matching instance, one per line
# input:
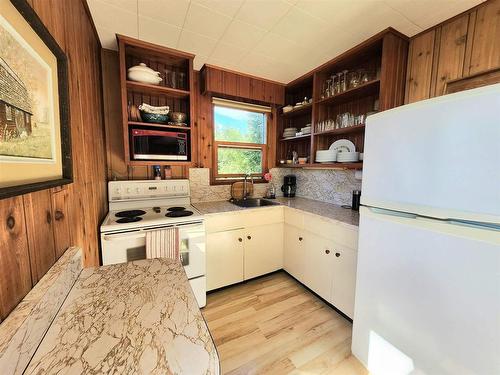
<point x="111" y="237"/>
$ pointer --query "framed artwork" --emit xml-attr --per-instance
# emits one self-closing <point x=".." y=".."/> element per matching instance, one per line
<point x="35" y="145"/>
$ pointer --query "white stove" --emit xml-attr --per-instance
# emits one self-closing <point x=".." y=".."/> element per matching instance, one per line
<point x="136" y="207"/>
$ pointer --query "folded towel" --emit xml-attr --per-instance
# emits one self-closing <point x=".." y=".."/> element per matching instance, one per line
<point x="163" y="243"/>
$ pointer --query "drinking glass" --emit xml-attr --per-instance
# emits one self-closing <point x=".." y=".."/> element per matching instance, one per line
<point x="344" y="80"/>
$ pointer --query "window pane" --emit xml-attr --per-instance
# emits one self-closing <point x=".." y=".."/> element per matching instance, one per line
<point x="238" y="160"/>
<point x="236" y="125"/>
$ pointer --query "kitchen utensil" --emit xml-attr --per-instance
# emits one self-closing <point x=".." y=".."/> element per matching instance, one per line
<point x="343" y="145"/>
<point x="356" y="199"/>
<point x="238" y="188"/>
<point x="177" y="117"/>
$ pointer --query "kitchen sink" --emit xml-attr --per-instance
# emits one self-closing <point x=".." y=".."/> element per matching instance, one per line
<point x="254" y="202"/>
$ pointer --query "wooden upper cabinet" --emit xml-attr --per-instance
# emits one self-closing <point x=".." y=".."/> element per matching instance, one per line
<point x="233" y="84"/>
<point x="451" y="56"/>
<point x="485" y="47"/>
<point x="15" y="277"/>
<point x="39" y="226"/>
<point x="418" y="83"/>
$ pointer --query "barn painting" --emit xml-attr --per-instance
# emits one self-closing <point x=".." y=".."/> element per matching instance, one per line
<point x="26" y="118"/>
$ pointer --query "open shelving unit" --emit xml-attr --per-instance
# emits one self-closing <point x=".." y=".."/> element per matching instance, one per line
<point x="179" y="99"/>
<point x="385" y="54"/>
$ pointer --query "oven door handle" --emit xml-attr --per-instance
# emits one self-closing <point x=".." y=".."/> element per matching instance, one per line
<point x="111" y="237"/>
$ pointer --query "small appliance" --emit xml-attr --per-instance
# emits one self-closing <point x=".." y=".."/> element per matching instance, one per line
<point x="289" y="186"/>
<point x="148" y="144"/>
<point x="138" y="207"/>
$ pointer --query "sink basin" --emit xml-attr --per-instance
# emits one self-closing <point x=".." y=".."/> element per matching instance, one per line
<point x="254" y="202"/>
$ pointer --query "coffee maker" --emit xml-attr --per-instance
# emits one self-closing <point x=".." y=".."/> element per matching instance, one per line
<point x="289" y="186"/>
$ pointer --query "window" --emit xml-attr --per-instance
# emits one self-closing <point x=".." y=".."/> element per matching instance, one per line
<point x="240" y="135"/>
<point x="8" y="112"/>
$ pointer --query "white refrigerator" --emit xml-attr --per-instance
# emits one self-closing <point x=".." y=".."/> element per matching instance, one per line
<point x="428" y="275"/>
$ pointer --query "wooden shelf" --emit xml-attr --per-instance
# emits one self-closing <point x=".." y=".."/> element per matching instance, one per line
<point x="305" y="136"/>
<point x="363" y="90"/>
<point x="137" y="123"/>
<point x="306" y="108"/>
<point x="356" y="165"/>
<point x="145" y="88"/>
<point x="350" y="129"/>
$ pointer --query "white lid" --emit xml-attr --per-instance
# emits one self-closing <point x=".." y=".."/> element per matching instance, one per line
<point x="143" y="68"/>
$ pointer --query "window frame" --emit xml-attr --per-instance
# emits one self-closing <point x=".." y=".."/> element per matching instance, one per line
<point x="226" y="179"/>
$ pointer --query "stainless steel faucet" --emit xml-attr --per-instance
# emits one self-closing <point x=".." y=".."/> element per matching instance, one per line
<point x="245" y="190"/>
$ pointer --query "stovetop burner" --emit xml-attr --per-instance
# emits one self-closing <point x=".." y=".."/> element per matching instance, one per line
<point x="131" y="219"/>
<point x="180" y="213"/>
<point x="173" y="209"/>
<point x="129" y="214"/>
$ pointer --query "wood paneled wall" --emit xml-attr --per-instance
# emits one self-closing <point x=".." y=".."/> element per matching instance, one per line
<point x="459" y="47"/>
<point x="36" y="228"/>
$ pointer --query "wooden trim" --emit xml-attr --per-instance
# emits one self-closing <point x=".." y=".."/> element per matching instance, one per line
<point x="92" y="23"/>
<point x="153" y="47"/>
<point x="240" y="74"/>
<point x="484" y="78"/>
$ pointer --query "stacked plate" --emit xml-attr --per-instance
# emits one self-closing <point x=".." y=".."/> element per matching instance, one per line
<point x="347" y="157"/>
<point x="306" y="129"/>
<point x="326" y="156"/>
<point x="289" y="132"/>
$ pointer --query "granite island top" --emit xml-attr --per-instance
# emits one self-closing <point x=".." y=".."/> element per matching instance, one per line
<point x="328" y="210"/>
<point x="131" y="318"/>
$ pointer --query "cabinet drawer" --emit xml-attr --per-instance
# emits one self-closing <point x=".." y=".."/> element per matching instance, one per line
<point x="262" y="216"/>
<point x="332" y="230"/>
<point x="223" y="221"/>
<point x="294" y="217"/>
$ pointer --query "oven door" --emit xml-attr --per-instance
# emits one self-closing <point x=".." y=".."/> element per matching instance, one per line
<point x="192" y="249"/>
<point x="158" y="145"/>
<point x="123" y="247"/>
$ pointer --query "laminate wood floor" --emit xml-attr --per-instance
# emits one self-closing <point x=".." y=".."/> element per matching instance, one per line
<point x="273" y="325"/>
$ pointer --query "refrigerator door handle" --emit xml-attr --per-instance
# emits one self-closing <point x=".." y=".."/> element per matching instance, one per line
<point x="474" y="224"/>
<point x="382" y="211"/>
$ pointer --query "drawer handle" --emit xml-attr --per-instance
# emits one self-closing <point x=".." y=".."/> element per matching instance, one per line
<point x="300" y="238"/>
<point x="327" y="251"/>
<point x="249" y="237"/>
<point x="240" y="239"/>
<point x="337" y="254"/>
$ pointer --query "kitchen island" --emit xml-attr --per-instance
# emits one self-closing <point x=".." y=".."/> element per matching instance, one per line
<point x="137" y="317"/>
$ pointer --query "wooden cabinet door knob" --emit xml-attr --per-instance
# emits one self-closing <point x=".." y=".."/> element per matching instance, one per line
<point x="249" y="237"/>
<point x="327" y="251"/>
<point x="300" y="238"/>
<point x="240" y="239"/>
<point x="337" y="254"/>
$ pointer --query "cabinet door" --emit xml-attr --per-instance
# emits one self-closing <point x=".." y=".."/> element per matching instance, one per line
<point x="344" y="279"/>
<point x="224" y="258"/>
<point x="318" y="264"/>
<point x="294" y="256"/>
<point x="62" y="228"/>
<point x="263" y="250"/>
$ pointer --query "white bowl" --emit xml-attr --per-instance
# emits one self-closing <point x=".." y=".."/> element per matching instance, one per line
<point x="288" y="108"/>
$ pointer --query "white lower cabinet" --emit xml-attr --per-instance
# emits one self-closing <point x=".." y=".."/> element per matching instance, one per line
<point x="263" y="250"/>
<point x="344" y="279"/>
<point x="224" y="258"/>
<point x="318" y="264"/>
<point x="293" y="255"/>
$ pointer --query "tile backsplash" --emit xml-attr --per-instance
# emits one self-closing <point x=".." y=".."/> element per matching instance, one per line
<point x="332" y="186"/>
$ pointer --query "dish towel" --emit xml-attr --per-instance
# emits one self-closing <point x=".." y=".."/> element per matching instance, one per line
<point x="163" y="243"/>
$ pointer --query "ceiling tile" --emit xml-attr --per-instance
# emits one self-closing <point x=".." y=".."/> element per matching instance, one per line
<point x="122" y="22"/>
<point x="427" y="13"/>
<point x="276" y="46"/>
<point x="263" y="13"/>
<point x="158" y="32"/>
<point x="204" y="21"/>
<point x="226" y="7"/>
<point x="127" y="5"/>
<point x="199" y="60"/>
<point x="107" y="38"/>
<point x="228" y="53"/>
<point x="196" y="43"/>
<point x="242" y="34"/>
<point x="172" y="12"/>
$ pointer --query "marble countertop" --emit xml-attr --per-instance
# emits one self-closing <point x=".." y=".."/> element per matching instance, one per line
<point x="324" y="209"/>
<point x="137" y="317"/>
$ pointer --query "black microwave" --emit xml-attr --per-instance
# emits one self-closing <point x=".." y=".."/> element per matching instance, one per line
<point x="149" y="144"/>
